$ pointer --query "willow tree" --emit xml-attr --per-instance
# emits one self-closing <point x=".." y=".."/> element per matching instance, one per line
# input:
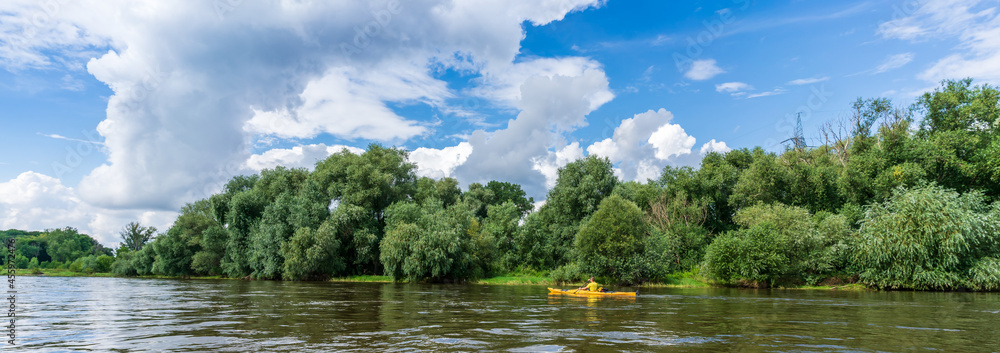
<point x="930" y="237"/>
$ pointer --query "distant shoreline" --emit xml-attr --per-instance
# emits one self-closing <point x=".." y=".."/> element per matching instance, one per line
<point x="515" y="280"/>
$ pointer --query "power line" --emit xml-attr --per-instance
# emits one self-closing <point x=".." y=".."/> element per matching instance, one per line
<point x="799" y="140"/>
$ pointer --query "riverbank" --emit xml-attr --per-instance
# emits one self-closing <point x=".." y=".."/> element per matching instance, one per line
<point x="680" y="280"/>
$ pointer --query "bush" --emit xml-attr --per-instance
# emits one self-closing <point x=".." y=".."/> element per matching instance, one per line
<point x="88" y="264"/>
<point x="134" y="263"/>
<point x="103" y="263"/>
<point x="683" y="247"/>
<point x="123" y="263"/>
<point x="930" y="237"/>
<point x="56" y="265"/>
<point x="568" y="273"/>
<point x="753" y="254"/>
<point x="76" y="266"/>
<point x="778" y="243"/>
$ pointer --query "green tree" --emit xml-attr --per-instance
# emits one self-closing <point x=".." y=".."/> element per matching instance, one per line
<point x="135" y="235"/>
<point x="208" y="261"/>
<point x="313" y="254"/>
<point x="373" y="180"/>
<point x="678" y="221"/>
<point x="245" y="209"/>
<point x="766" y="180"/>
<point x="957" y="105"/>
<point x="579" y="189"/>
<point x="267" y="237"/>
<point x="429" y="242"/>
<point x="67" y="245"/>
<point x="479" y="198"/>
<point x="613" y="242"/>
<point x="174" y="251"/>
<point x="532" y="245"/>
<point x="445" y="189"/>
<point x="500" y="227"/>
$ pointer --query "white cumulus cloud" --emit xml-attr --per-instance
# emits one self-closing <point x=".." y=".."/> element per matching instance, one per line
<point x="550" y="106"/>
<point x="440" y="163"/>
<point x="642" y="145"/>
<point x="703" y="69"/>
<point x="193" y="82"/>
<point x="304" y="156"/>
<point x="34" y="201"/>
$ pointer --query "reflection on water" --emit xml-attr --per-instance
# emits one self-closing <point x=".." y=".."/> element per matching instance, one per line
<point x="103" y="314"/>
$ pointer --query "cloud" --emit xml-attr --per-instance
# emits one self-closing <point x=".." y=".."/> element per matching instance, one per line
<point x="185" y="107"/>
<point x="34" y="201"/>
<point x="349" y="104"/>
<point x="549" y="164"/>
<point x="732" y="87"/>
<point x="740" y="89"/>
<point x="714" y="146"/>
<point x="642" y="145"/>
<point x="550" y="106"/>
<point x="936" y="18"/>
<point x="304" y="156"/>
<point x="660" y="40"/>
<point x="670" y="140"/>
<point x="773" y="92"/>
<point x="806" y="81"/>
<point x="703" y="70"/>
<point x="972" y="25"/>
<point x="504" y="87"/>
<point x="61" y="137"/>
<point x="893" y="62"/>
<point x="70" y="83"/>
<point x="440" y="163"/>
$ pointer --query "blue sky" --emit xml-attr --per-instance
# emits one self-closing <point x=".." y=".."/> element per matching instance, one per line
<point x="114" y="111"/>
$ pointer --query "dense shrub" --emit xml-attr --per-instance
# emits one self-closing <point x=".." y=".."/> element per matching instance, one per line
<point x="123" y="263"/>
<point x="930" y="237"/>
<point x="568" y="273"/>
<point x="778" y="243"/>
<point x="104" y="263"/>
<point x="753" y="254"/>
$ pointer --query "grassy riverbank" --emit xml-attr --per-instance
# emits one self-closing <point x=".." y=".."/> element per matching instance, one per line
<point x="677" y="280"/>
<point x="59" y="273"/>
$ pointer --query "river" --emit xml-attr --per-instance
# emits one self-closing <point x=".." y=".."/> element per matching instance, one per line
<point x="105" y="314"/>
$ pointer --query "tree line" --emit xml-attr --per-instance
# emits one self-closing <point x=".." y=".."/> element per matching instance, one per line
<point x="895" y="197"/>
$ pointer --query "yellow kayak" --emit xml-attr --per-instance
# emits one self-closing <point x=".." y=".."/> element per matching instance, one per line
<point x="587" y="293"/>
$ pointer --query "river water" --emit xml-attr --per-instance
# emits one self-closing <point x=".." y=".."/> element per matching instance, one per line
<point x="106" y="314"/>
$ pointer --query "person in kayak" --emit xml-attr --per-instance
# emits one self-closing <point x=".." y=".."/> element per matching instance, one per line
<point x="592" y="286"/>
